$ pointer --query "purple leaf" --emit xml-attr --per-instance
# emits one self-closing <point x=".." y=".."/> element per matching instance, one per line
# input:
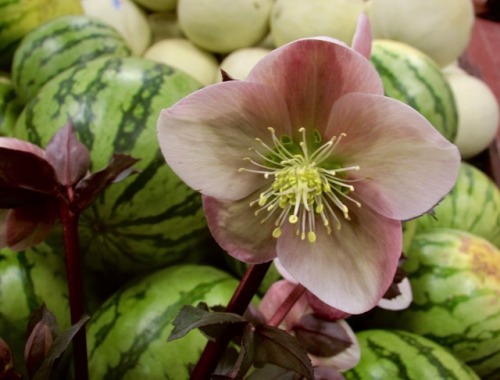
<point x="275" y="346"/>
<point x="25" y="171"/>
<point x="68" y="156"/>
<point x="88" y="188"/>
<point x="245" y="357"/>
<point x="191" y="317"/>
<point x="321" y="337"/>
<point x="7" y="363"/>
<point x="272" y="372"/>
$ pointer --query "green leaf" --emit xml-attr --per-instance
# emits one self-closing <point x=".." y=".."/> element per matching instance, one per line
<point x="68" y="156"/>
<point x="276" y="346"/>
<point x="191" y="317"/>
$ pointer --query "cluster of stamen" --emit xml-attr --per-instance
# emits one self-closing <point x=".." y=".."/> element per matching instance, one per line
<point x="302" y="188"/>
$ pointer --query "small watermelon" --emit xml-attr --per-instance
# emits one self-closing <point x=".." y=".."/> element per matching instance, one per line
<point x="19" y="17"/>
<point x="150" y="219"/>
<point x="127" y="336"/>
<point x="455" y="279"/>
<point x="10" y="105"/>
<point x="393" y="354"/>
<point x="473" y="206"/>
<point x="58" y="45"/>
<point x="27" y="280"/>
<point x="413" y="78"/>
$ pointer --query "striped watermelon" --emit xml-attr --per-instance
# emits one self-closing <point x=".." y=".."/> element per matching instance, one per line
<point x="473" y="206"/>
<point x="150" y="219"/>
<point x="413" y="78"/>
<point x="19" y="17"/>
<point x="10" y="105"/>
<point x="400" y="355"/>
<point x="28" y="279"/>
<point x="455" y="278"/>
<point x="127" y="336"/>
<point x="58" y="45"/>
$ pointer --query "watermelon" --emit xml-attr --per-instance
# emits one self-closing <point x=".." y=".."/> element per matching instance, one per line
<point x="473" y="206"/>
<point x="393" y="354"/>
<point x="28" y="279"/>
<point x="58" y="45"/>
<point x="127" y="336"/>
<point x="150" y="219"/>
<point x="10" y="105"/>
<point x="413" y="78"/>
<point x="19" y="17"/>
<point x="455" y="279"/>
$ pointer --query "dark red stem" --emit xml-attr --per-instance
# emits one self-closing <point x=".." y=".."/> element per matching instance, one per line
<point x="69" y="220"/>
<point x="286" y="305"/>
<point x="238" y="304"/>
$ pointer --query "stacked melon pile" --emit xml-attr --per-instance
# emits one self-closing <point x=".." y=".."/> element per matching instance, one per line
<point x="110" y="66"/>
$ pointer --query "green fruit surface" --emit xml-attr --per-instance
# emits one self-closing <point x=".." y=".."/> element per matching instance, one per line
<point x="127" y="336"/>
<point x="413" y="78"/>
<point x="400" y="355"/>
<point x="473" y="206"/>
<point x="27" y="280"/>
<point x="152" y="218"/>
<point x="19" y="17"/>
<point x="455" y="279"/>
<point x="58" y="45"/>
<point x="10" y="106"/>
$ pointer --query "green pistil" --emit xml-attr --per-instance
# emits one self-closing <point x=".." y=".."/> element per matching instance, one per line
<point x="302" y="188"/>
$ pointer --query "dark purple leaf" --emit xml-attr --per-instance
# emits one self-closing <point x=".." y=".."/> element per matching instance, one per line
<point x="191" y="317"/>
<point x="41" y="313"/>
<point x="61" y="343"/>
<point x="393" y="291"/>
<point x="89" y="187"/>
<point x="275" y="346"/>
<point x="68" y="156"/>
<point x="26" y="171"/>
<point x="321" y="337"/>
<point x="11" y="197"/>
<point x="272" y="372"/>
<point x="245" y="357"/>
<point x="7" y="371"/>
<point x="225" y="76"/>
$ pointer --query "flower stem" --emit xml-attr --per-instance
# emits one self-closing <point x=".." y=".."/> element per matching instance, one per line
<point x="69" y="220"/>
<point x="238" y="304"/>
<point x="286" y="305"/>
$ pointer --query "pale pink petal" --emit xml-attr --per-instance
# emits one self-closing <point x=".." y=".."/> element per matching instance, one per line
<point x="29" y="226"/>
<point x="346" y="359"/>
<point x="409" y="164"/>
<point x="351" y="269"/>
<point x="238" y="231"/>
<point x="311" y="74"/>
<point x="206" y="136"/>
<point x="24" y="146"/>
<point x="276" y="295"/>
<point x="362" y="40"/>
<point x="401" y="301"/>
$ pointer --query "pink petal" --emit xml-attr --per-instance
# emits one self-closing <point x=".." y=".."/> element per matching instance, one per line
<point x="238" y="231"/>
<point x="410" y="165"/>
<point x="362" y="40"/>
<point x="29" y="226"/>
<point x="16" y="144"/>
<point x="351" y="269"/>
<point x="311" y="74"/>
<point x="206" y="136"/>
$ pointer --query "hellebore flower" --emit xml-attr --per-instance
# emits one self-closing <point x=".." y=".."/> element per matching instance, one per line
<point x="307" y="161"/>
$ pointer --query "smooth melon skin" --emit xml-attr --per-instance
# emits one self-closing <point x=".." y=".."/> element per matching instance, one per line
<point x="455" y="280"/>
<point x="150" y="219"/>
<point x="412" y="77"/>
<point x="393" y="354"/>
<point x="19" y="17"/>
<point x="59" y="45"/>
<point x="473" y="205"/>
<point x="10" y="105"/>
<point x="127" y="336"/>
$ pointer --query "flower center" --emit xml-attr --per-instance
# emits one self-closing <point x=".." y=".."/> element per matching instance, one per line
<point x="305" y="185"/>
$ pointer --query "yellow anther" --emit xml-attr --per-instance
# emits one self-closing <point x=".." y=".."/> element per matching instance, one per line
<point x="293" y="219"/>
<point x="311" y="237"/>
<point x="276" y="232"/>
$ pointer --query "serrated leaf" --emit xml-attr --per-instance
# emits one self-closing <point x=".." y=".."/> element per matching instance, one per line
<point x="278" y="347"/>
<point x="245" y="356"/>
<point x="60" y="344"/>
<point x="272" y="372"/>
<point x="68" y="156"/>
<point x="27" y="172"/>
<point x="321" y="337"/>
<point x="89" y="187"/>
<point x="191" y="317"/>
